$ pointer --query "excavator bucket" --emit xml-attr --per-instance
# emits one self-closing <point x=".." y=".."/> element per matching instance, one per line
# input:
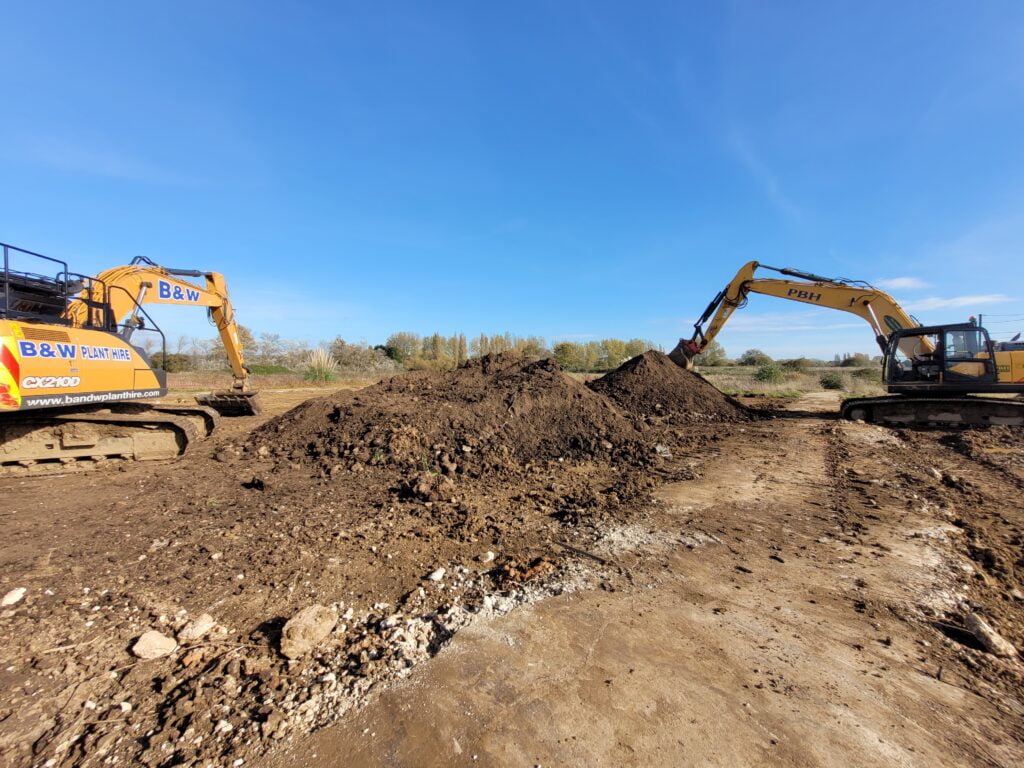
<point x="683" y="354"/>
<point x="233" y="403"/>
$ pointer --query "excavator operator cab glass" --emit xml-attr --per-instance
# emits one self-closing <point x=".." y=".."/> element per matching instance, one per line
<point x="965" y="344"/>
<point x="915" y="358"/>
<point x="920" y="359"/>
<point x="967" y="356"/>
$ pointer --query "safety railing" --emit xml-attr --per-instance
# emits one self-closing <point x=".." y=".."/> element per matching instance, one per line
<point x="29" y="290"/>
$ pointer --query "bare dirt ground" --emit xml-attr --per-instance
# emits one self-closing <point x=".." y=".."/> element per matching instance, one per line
<point x="787" y="591"/>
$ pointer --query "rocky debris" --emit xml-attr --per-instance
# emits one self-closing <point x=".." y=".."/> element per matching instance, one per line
<point x="274" y="726"/>
<point x="436" y="575"/>
<point x="230" y="704"/>
<point x="992" y="641"/>
<point x="651" y="386"/>
<point x="306" y="629"/>
<point x="196" y="629"/>
<point x="516" y="571"/>
<point x="154" y="645"/>
<point x="428" y="487"/>
<point x="13" y="597"/>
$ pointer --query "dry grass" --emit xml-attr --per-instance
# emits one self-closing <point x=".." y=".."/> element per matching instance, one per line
<point x="733" y="380"/>
<point x="739" y="380"/>
<point x="205" y="381"/>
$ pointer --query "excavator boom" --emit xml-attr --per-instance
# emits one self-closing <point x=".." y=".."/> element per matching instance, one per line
<point x="932" y="373"/>
<point x="116" y="296"/>
<point x="878" y="308"/>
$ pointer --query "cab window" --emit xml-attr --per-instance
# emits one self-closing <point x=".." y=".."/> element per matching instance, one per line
<point x="965" y="345"/>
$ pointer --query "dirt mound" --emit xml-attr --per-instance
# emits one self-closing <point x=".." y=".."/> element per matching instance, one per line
<point x="403" y="509"/>
<point x="651" y="385"/>
<point x="491" y="414"/>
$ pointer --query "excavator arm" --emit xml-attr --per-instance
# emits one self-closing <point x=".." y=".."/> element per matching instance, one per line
<point x="113" y="299"/>
<point x="878" y="308"/>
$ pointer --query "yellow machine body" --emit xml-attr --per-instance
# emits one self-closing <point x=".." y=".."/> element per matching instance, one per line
<point x="1010" y="366"/>
<point x="47" y="366"/>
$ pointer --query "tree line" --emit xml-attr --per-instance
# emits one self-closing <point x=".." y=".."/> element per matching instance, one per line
<point x="404" y="350"/>
<point x="715" y="355"/>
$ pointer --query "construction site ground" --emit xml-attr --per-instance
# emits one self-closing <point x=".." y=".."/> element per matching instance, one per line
<point x="784" y="590"/>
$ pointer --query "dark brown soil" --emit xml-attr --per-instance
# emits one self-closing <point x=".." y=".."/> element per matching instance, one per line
<point x="651" y="386"/>
<point x="492" y="414"/>
<point x="355" y="498"/>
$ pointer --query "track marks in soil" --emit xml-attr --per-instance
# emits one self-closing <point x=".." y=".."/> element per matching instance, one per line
<point x="764" y="612"/>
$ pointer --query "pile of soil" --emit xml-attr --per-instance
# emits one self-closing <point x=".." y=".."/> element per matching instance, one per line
<point x="493" y="414"/>
<point x="406" y="507"/>
<point x="651" y="385"/>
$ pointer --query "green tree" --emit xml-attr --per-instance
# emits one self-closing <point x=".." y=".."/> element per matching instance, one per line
<point x="614" y="351"/>
<point x="754" y="357"/>
<point x="435" y="351"/>
<point x="403" y="346"/>
<point x="459" y="351"/>
<point x="593" y="354"/>
<point x="770" y="373"/>
<point x="532" y="348"/>
<point x="570" y="356"/>
<point x="712" y="354"/>
<point x="636" y="347"/>
<point x="219" y="355"/>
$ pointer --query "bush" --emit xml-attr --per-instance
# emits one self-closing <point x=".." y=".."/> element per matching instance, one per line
<point x="173" y="364"/>
<point x="754" y="357"/>
<point x="869" y="374"/>
<point x="797" y="365"/>
<point x="320" y="366"/>
<point x="770" y="373"/>
<point x="832" y="380"/>
<point x="856" y="360"/>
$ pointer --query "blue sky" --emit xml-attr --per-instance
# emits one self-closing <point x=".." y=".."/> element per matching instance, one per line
<point x="568" y="169"/>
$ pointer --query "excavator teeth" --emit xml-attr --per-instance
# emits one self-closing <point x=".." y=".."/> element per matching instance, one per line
<point x="228" y="403"/>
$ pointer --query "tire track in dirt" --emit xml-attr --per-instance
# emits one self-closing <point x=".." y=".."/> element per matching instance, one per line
<point x="773" y="610"/>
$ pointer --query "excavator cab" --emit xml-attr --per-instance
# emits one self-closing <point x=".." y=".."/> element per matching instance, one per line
<point x="953" y="358"/>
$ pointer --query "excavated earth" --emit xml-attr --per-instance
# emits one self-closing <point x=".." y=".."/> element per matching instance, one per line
<point x="652" y="387"/>
<point x="433" y="502"/>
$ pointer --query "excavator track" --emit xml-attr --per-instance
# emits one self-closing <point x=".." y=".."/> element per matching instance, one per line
<point x="43" y="442"/>
<point x="898" y="411"/>
<point x="205" y="418"/>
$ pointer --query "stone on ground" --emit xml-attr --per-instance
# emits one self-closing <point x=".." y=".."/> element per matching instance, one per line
<point x="306" y="629"/>
<point x="153" y="645"/>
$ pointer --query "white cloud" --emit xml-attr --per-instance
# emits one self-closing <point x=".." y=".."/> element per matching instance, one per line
<point x="901" y="283"/>
<point x="935" y="302"/>
<point x="763" y="175"/>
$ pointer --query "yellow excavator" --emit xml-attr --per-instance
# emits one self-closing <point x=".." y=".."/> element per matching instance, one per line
<point x="933" y="374"/>
<point x="74" y="366"/>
